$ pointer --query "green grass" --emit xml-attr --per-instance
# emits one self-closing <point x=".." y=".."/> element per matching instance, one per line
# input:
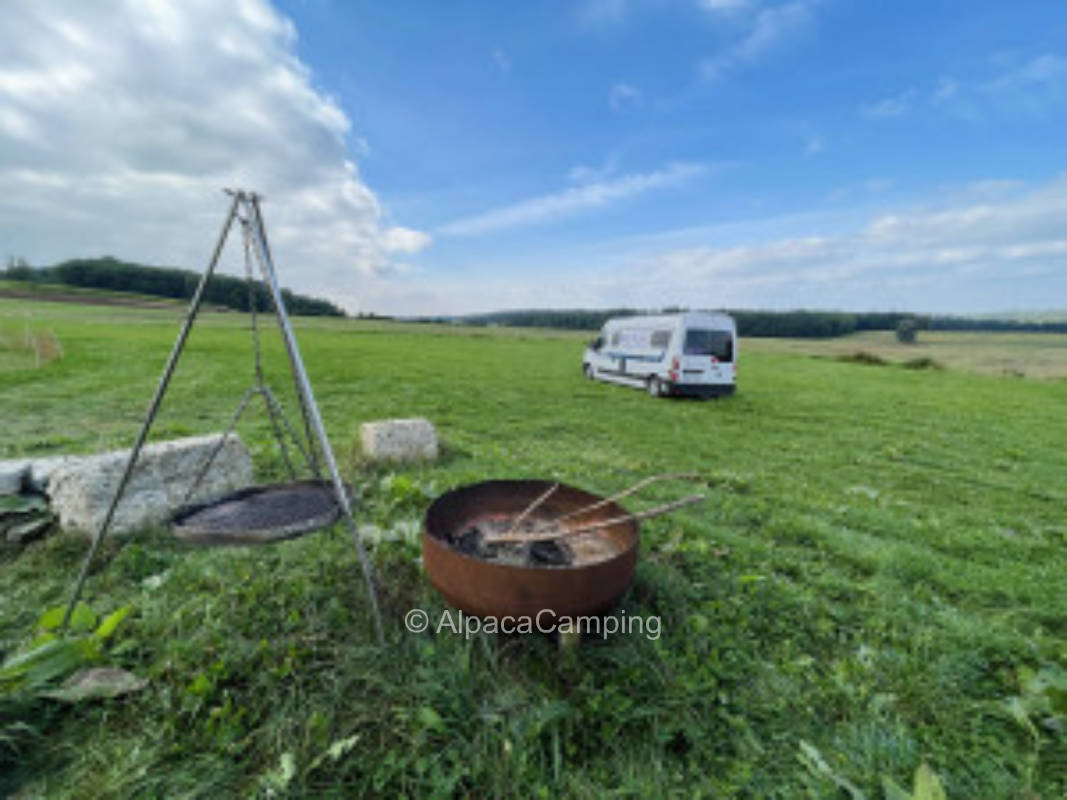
<point x="881" y="553"/>
<point x="1014" y="355"/>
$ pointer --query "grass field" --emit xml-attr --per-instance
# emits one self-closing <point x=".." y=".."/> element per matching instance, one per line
<point x="873" y="582"/>
<point x="61" y="292"/>
<point x="1015" y="355"/>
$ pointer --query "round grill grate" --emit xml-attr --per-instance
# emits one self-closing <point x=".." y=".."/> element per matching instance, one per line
<point x="259" y="514"/>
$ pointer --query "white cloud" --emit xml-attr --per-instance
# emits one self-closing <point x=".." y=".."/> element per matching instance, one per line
<point x="577" y="199"/>
<point x="978" y="249"/>
<point x="1045" y="70"/>
<point x="1032" y="87"/>
<point x="876" y="185"/>
<point x="723" y="5"/>
<point x="972" y="251"/>
<point x="894" y="106"/>
<point x="587" y="174"/>
<point x="601" y="12"/>
<point x="623" y="96"/>
<point x="121" y="121"/>
<point x="501" y="59"/>
<point x="768" y="29"/>
<point x="947" y="88"/>
<point x="994" y="187"/>
<point x="405" y="240"/>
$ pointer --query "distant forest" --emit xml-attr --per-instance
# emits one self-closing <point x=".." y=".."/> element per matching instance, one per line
<point x="800" y="324"/>
<point x="230" y="292"/>
<point x="123" y="276"/>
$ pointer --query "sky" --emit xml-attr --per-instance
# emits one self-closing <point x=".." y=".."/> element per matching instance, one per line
<point x="446" y="158"/>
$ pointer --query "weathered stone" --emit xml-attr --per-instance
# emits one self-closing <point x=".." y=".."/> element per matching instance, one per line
<point x="41" y="469"/>
<point x="12" y="475"/>
<point x="28" y="531"/>
<point x="399" y="440"/>
<point x="31" y="474"/>
<point x="81" y="491"/>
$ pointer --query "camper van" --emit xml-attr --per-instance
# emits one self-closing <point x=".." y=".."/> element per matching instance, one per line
<point x="671" y="354"/>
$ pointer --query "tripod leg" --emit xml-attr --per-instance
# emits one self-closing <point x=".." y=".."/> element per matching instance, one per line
<point x="153" y="409"/>
<point x="304" y="387"/>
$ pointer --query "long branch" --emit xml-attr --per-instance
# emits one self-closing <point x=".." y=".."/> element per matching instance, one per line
<point x="530" y="509"/>
<point x="641" y="484"/>
<point x="548" y="535"/>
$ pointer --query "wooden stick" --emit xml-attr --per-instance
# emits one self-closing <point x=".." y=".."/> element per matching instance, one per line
<point x="529" y="510"/>
<point x="544" y="537"/>
<point x="679" y="476"/>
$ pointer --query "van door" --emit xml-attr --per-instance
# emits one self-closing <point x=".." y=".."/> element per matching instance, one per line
<point x="707" y="356"/>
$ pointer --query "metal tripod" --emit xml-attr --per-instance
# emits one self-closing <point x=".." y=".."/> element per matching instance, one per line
<point x="245" y="208"/>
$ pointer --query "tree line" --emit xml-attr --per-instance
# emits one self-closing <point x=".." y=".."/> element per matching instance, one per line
<point x="790" y="324"/>
<point x="231" y="292"/>
<point x="123" y="276"/>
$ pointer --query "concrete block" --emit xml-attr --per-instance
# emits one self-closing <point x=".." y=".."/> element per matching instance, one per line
<point x="399" y="440"/>
<point x="81" y="490"/>
<point x="13" y="473"/>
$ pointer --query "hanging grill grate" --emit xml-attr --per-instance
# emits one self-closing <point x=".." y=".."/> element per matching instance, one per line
<point x="259" y="514"/>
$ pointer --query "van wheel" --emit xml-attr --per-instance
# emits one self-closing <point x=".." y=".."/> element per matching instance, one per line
<point x="587" y="371"/>
<point x="655" y="388"/>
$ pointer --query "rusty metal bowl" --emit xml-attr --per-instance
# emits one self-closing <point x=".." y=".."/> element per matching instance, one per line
<point x="488" y="589"/>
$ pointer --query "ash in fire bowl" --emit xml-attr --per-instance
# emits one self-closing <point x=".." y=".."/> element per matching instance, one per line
<point x="554" y="545"/>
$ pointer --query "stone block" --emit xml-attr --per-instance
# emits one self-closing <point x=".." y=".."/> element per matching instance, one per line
<point x="82" y="489"/>
<point x="13" y="473"/>
<point x="41" y="469"/>
<point x="399" y="440"/>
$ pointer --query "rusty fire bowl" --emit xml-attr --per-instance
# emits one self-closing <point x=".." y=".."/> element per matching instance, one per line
<point x="487" y="589"/>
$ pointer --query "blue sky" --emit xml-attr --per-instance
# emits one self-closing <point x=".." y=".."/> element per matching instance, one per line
<point x="451" y="157"/>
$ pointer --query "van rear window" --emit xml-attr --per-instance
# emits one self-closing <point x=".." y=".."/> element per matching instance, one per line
<point x="709" y="343"/>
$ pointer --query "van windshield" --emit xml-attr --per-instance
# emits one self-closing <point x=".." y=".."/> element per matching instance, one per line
<point x="709" y="343"/>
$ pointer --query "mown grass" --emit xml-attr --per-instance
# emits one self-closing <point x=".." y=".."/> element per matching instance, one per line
<point x="881" y="553"/>
<point x="1015" y="355"/>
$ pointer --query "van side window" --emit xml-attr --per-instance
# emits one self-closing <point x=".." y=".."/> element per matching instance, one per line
<point x="615" y="339"/>
<point x="660" y="339"/>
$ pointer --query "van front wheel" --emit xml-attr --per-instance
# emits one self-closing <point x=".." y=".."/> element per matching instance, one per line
<point x="655" y="387"/>
<point x="587" y="371"/>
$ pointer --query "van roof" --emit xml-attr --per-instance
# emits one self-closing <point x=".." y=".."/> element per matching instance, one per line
<point x="689" y="318"/>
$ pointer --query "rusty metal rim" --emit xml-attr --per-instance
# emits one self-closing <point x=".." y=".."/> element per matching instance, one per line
<point x="473" y="487"/>
<point x="489" y="589"/>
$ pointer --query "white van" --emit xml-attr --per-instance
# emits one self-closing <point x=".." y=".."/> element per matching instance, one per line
<point x="670" y="354"/>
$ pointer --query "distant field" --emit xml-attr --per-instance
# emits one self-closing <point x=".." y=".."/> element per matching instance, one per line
<point x="56" y="292"/>
<point x="1030" y="355"/>
<point x="878" y="568"/>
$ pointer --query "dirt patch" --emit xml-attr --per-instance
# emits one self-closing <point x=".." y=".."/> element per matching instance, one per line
<point x="89" y="299"/>
<point x="863" y="357"/>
